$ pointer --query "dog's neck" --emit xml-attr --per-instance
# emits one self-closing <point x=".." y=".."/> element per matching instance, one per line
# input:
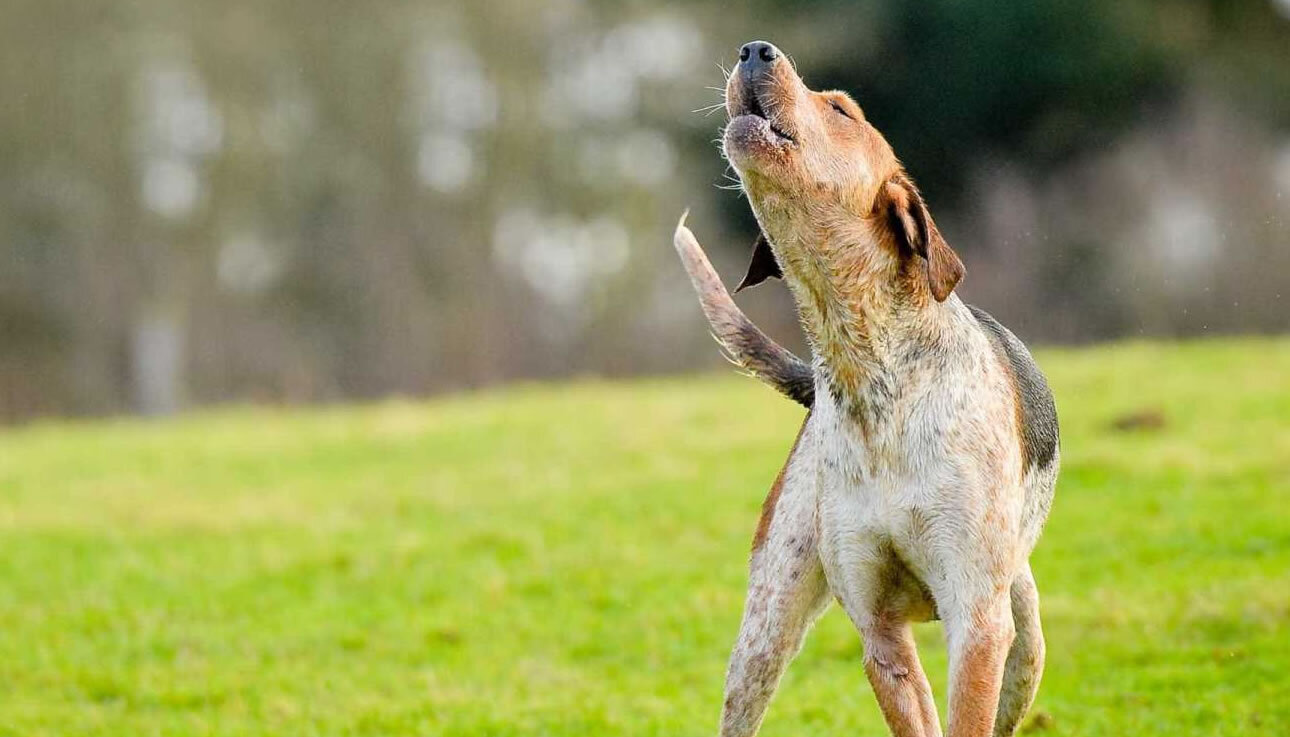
<point x="865" y="310"/>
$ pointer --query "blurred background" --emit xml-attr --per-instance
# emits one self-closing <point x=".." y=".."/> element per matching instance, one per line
<point x="286" y="201"/>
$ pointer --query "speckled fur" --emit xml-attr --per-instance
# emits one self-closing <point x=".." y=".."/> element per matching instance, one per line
<point x="918" y="485"/>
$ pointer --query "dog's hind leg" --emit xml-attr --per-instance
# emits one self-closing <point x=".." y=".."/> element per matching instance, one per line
<point x="979" y="632"/>
<point x="1025" y="662"/>
<point x="786" y="593"/>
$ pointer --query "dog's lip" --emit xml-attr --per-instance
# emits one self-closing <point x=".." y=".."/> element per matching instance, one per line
<point x="753" y="108"/>
<point x="772" y="134"/>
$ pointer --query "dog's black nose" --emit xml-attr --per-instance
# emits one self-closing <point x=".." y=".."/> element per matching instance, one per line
<point x="756" y="55"/>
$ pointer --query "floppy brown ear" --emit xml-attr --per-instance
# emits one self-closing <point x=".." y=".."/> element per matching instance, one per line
<point x="912" y="226"/>
<point x="762" y="266"/>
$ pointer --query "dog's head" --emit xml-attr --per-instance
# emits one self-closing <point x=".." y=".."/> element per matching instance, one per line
<point x="813" y="167"/>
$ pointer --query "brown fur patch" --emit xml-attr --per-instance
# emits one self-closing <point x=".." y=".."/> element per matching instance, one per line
<point x="772" y="497"/>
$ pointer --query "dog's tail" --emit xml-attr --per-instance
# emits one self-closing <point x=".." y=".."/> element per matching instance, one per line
<point x="744" y="343"/>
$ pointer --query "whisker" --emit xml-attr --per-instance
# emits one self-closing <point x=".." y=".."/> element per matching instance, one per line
<point x="710" y="109"/>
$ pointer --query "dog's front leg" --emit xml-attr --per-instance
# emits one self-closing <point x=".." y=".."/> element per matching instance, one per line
<point x="786" y="593"/>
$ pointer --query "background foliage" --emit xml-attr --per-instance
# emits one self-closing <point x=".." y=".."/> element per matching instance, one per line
<point x="300" y="201"/>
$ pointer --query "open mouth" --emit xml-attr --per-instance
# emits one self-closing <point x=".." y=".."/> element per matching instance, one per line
<point x="756" y="110"/>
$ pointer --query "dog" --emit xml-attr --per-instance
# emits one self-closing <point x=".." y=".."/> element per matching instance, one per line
<point x="924" y="471"/>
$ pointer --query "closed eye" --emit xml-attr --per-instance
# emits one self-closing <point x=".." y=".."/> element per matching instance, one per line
<point x="838" y="108"/>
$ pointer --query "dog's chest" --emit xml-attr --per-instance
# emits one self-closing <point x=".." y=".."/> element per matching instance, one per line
<point x="890" y="436"/>
<point x="883" y="489"/>
<point x="873" y="473"/>
<point x="907" y="435"/>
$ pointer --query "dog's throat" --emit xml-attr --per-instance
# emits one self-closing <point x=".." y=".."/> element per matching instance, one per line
<point x="847" y="346"/>
<point x="847" y="311"/>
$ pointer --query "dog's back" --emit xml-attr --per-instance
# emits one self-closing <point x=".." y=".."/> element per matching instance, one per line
<point x="1037" y="419"/>
<point x="1034" y="398"/>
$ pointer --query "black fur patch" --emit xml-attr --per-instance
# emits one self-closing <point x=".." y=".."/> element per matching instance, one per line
<point x="761" y="266"/>
<point x="1039" y="432"/>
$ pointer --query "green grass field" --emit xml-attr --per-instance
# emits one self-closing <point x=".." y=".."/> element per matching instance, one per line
<point x="570" y="561"/>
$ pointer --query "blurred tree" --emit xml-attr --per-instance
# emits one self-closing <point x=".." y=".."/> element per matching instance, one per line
<point x="291" y="201"/>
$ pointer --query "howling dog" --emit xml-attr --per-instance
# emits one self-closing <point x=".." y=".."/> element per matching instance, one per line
<point x="924" y="470"/>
